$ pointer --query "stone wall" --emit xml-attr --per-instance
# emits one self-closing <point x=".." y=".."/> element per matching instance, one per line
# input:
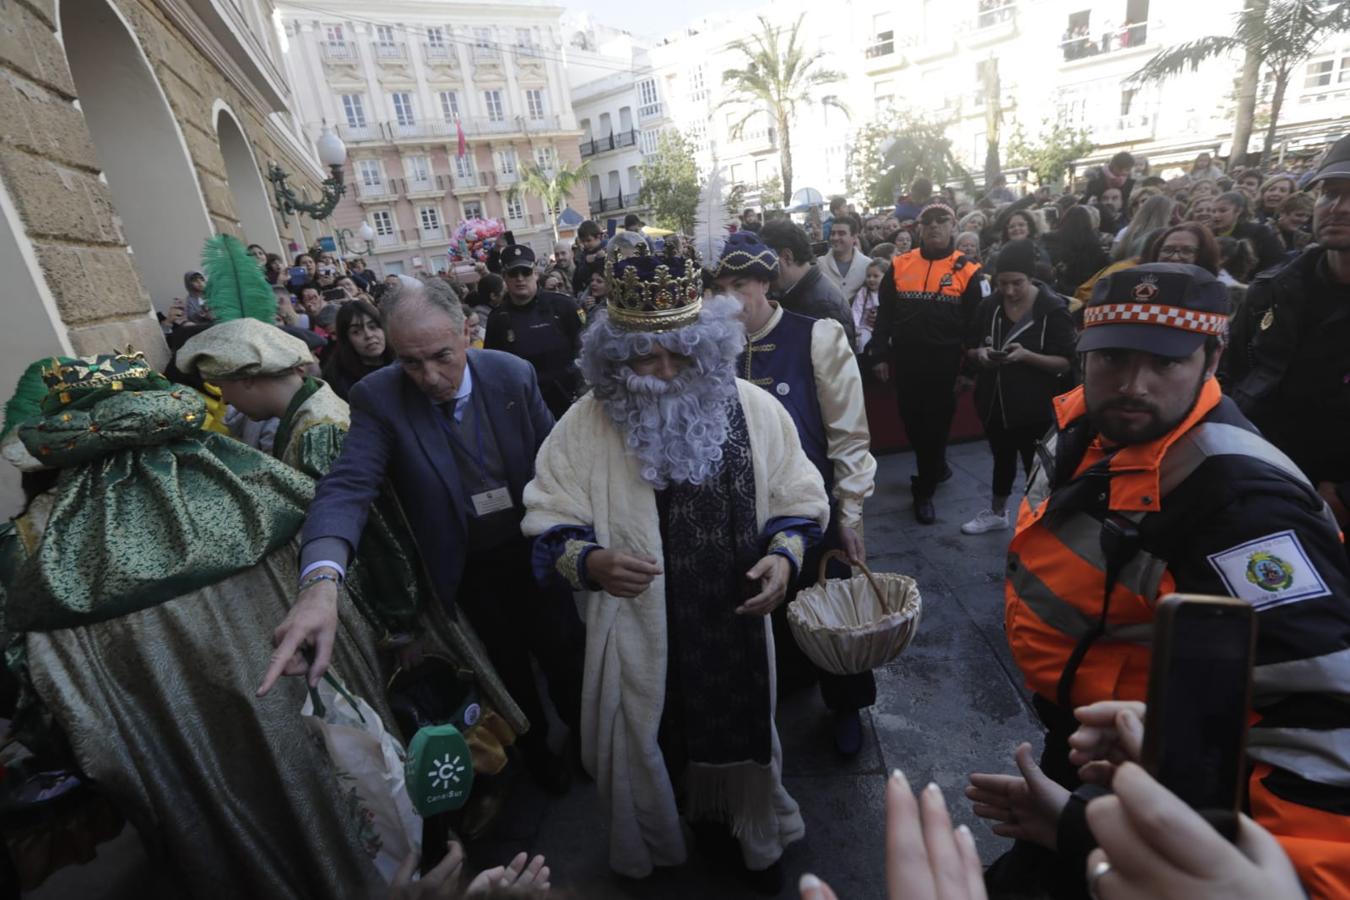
<point x="50" y="166"/>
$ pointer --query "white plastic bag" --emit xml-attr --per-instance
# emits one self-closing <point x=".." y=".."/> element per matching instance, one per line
<point x="369" y="763"/>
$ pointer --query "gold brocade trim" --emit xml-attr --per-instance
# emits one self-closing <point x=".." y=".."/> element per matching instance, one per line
<point x="569" y="563"/>
<point x="791" y="544"/>
<point x="761" y="382"/>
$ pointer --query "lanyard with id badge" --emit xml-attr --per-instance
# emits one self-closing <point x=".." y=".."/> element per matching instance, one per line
<point x="490" y="500"/>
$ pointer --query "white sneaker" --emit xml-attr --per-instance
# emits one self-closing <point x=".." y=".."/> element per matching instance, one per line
<point x="988" y="520"/>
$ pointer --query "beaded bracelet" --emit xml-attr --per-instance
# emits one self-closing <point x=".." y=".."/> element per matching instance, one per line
<point x="315" y="579"/>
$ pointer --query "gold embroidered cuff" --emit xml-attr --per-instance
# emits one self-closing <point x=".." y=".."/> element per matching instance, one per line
<point x="791" y="545"/>
<point x="569" y="563"/>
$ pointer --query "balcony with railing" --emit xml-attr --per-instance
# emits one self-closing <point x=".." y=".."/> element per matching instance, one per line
<point x="537" y="124"/>
<point x="359" y="134"/>
<point x="422" y="188"/>
<point x="615" y="140"/>
<point x="494" y="125"/>
<point x="651" y="110"/>
<point x="484" y="52"/>
<point x="994" y="12"/>
<point x="431" y="235"/>
<point x="388" y="241"/>
<point x="474" y="181"/>
<point x="391" y="51"/>
<point x="403" y="131"/>
<point x="443" y="54"/>
<point x="376" y="192"/>
<point x="763" y="139"/>
<point x="506" y="179"/>
<point x="1082" y="42"/>
<point x="527" y="51"/>
<point x="338" y="51"/>
<point x="612" y="204"/>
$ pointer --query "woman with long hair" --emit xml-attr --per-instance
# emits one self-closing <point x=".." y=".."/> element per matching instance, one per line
<point x="1075" y="250"/>
<point x="1274" y="191"/>
<point x="1155" y="213"/>
<point x="362" y="347"/>
<point x="1232" y="218"/>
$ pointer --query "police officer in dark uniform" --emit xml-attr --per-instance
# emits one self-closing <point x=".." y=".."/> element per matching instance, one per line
<point x="1288" y="368"/>
<point x="542" y="327"/>
<point x="926" y="301"/>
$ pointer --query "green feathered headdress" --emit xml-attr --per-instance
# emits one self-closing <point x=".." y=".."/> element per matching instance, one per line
<point x="235" y="286"/>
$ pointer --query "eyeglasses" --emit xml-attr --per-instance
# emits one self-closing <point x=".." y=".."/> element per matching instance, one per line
<point x="1178" y="252"/>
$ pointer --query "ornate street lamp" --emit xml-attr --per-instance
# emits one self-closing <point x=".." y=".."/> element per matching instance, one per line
<point x="333" y="154"/>
<point x="365" y="233"/>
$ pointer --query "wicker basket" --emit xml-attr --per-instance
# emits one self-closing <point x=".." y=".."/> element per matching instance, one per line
<point x="852" y="625"/>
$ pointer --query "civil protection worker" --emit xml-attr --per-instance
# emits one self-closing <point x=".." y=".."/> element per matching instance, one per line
<point x="541" y="327"/>
<point x="1152" y="482"/>
<point x="926" y="302"/>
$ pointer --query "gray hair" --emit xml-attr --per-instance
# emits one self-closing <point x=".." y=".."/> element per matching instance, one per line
<point x="436" y="293"/>
<point x="674" y="429"/>
<point x="626" y="242"/>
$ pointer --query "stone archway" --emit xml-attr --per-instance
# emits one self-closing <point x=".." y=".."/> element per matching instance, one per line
<point x="32" y="326"/>
<point x="140" y="147"/>
<point x="246" y="183"/>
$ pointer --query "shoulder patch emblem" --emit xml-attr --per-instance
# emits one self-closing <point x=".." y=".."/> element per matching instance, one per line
<point x="1268" y="320"/>
<point x="1269" y="571"/>
<point x="985" y="289"/>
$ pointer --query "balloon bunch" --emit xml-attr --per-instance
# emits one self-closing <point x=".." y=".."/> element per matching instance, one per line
<point x="473" y="238"/>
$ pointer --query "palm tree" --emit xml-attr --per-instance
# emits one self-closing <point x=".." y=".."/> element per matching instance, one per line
<point x="1278" y="34"/>
<point x="780" y="77"/>
<point x="553" y="187"/>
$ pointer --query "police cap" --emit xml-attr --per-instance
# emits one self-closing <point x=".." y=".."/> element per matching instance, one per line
<point x="1163" y="308"/>
<point x="1336" y="164"/>
<point x="517" y="256"/>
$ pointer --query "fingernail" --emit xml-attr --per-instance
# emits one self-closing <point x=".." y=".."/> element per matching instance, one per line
<point x="933" y="788"/>
<point x="897" y="775"/>
<point x="963" y="830"/>
<point x="808" y="882"/>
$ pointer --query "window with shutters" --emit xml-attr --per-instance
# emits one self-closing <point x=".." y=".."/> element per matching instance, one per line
<point x="534" y="103"/>
<point x="496" y="111"/>
<point x="449" y="105"/>
<point x="354" y="110"/>
<point x="403" y="108"/>
<point x="382" y="222"/>
<point x="370" y="172"/>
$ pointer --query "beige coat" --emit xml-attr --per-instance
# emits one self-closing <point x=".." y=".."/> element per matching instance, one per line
<point x="585" y="476"/>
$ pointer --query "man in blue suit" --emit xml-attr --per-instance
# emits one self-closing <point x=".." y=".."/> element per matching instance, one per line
<point x="456" y="432"/>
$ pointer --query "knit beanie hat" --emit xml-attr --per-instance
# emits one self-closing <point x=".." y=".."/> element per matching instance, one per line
<point x="1017" y="256"/>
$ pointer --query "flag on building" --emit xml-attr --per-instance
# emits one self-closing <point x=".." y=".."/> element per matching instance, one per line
<point x="463" y="147"/>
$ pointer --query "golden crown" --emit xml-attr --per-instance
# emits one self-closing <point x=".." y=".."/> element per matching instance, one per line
<point x="653" y="293"/>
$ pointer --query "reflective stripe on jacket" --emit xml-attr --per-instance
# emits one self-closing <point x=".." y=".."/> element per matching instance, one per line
<point x="1197" y="497"/>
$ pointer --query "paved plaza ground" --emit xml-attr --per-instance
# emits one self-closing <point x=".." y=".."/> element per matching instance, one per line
<point x="952" y="704"/>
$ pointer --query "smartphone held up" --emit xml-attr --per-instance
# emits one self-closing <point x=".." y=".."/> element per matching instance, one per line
<point x="1199" y="694"/>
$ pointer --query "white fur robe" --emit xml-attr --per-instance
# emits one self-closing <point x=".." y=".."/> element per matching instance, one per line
<point x="584" y="476"/>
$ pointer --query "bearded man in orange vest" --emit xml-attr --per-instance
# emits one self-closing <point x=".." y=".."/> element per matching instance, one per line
<point x="925" y="304"/>
<point x="1153" y="482"/>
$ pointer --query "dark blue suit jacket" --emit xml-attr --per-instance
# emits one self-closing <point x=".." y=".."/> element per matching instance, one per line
<point x="394" y="435"/>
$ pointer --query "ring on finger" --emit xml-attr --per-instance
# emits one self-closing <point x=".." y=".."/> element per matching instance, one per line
<point x="1099" y="871"/>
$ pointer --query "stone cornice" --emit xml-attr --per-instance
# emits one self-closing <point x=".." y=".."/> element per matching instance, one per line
<point x="225" y="39"/>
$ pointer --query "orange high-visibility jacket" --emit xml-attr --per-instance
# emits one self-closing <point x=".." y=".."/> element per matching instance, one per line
<point x="1218" y="510"/>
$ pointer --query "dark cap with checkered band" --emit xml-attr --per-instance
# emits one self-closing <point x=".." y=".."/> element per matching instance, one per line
<point x="1163" y="308"/>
